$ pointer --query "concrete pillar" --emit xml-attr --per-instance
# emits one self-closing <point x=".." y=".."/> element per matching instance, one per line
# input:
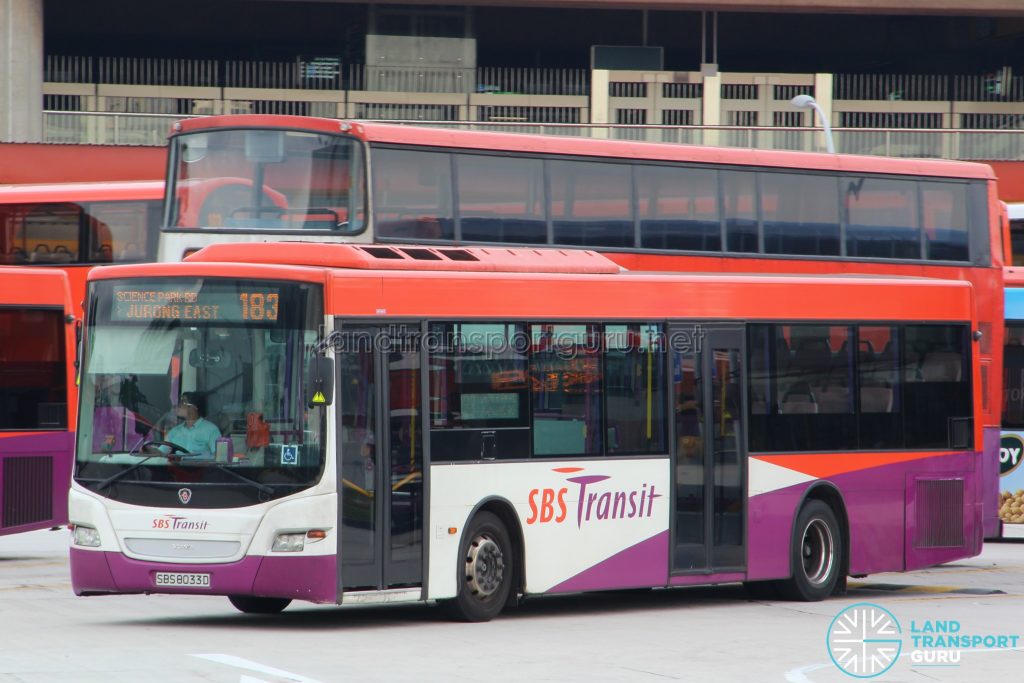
<point x="21" y="70"/>
<point x="711" y="111"/>
<point x="600" y="101"/>
<point x="823" y="95"/>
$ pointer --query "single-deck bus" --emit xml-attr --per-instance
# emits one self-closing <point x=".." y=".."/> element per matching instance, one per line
<point x="381" y="423"/>
<point x="656" y="207"/>
<point x="37" y="398"/>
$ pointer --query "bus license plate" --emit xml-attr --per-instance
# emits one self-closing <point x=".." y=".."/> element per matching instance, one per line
<point x="179" y="580"/>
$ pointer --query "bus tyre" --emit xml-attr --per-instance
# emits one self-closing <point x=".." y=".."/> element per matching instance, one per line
<point x="485" y="570"/>
<point x="816" y="556"/>
<point x="250" y="604"/>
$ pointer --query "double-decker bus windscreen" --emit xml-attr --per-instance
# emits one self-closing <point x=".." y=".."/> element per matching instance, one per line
<point x="272" y="180"/>
<point x="199" y="384"/>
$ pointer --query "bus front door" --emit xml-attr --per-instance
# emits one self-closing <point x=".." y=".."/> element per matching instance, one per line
<point x="709" y="479"/>
<point x="380" y="449"/>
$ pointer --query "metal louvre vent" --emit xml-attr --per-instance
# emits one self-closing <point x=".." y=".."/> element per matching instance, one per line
<point x="940" y="513"/>
<point x="28" y="491"/>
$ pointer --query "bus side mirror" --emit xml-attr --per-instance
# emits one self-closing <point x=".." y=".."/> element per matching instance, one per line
<point x="320" y="382"/>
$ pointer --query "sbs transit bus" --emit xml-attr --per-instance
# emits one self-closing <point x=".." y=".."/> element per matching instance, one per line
<point x="468" y="425"/>
<point x="37" y="398"/>
<point x="656" y="207"/>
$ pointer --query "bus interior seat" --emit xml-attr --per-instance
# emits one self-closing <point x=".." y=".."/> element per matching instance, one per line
<point x="876" y="399"/>
<point x="833" y="398"/>
<point x="798" y="401"/>
<point x="941" y="366"/>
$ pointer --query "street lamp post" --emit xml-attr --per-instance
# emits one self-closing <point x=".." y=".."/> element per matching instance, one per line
<point x="805" y="102"/>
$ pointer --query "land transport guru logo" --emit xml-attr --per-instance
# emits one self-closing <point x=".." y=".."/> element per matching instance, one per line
<point x="594" y="500"/>
<point x="865" y="640"/>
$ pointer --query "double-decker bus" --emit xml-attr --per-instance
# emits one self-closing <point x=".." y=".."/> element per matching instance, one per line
<point x="75" y="226"/>
<point x="37" y="398"/>
<point x="654" y="207"/>
<point x="382" y="423"/>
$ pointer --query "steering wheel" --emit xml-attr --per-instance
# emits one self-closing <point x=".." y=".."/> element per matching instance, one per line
<point x="150" y="446"/>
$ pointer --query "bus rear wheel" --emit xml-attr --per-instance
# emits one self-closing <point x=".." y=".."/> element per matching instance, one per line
<point x="816" y="556"/>
<point x="250" y="604"/>
<point x="485" y="570"/>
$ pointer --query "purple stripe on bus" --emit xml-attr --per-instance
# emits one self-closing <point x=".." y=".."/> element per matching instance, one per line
<point x="879" y="504"/>
<point x="312" y="578"/>
<point x="641" y="565"/>
<point x="41" y="442"/>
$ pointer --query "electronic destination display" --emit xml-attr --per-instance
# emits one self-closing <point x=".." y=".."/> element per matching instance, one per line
<point x="146" y="302"/>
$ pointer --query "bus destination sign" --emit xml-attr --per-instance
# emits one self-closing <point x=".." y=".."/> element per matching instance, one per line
<point x="149" y="302"/>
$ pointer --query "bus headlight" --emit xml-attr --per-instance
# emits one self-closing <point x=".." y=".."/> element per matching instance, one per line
<point x="293" y="542"/>
<point x="85" y="536"/>
<point x="288" y="543"/>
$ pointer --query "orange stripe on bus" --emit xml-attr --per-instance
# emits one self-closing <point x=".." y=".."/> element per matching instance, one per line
<point x="823" y="466"/>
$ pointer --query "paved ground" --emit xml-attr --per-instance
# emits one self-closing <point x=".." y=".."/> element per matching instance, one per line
<point x="707" y="634"/>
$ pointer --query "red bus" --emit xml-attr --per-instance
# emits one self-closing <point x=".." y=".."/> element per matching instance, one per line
<point x="74" y="226"/>
<point x="50" y="237"/>
<point x="647" y="206"/>
<point x="37" y="398"/>
<point x="468" y="425"/>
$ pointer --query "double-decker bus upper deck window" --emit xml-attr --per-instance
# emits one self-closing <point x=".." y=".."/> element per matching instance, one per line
<point x="800" y="214"/>
<point x="412" y="195"/>
<point x="591" y="204"/>
<point x="944" y="208"/>
<point x="739" y="195"/>
<point x="41" y="234"/>
<point x="678" y="208"/>
<point x="279" y="180"/>
<point x="123" y="231"/>
<point x="881" y="216"/>
<point x="501" y="199"/>
<point x="58" y="233"/>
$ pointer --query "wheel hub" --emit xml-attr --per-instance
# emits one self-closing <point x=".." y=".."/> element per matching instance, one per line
<point x="485" y="567"/>
<point x="817" y="552"/>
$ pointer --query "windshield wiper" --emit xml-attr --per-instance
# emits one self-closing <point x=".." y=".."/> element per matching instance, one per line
<point x="260" y="486"/>
<point x="142" y="444"/>
<point x="123" y="473"/>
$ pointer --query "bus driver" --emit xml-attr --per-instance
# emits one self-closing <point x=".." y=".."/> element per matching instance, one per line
<point x="194" y="433"/>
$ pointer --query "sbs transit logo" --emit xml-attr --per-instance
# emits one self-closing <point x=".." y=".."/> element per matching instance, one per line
<point x="595" y="500"/>
<point x="864" y="640"/>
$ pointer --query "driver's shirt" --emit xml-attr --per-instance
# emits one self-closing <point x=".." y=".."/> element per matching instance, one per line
<point x="200" y="438"/>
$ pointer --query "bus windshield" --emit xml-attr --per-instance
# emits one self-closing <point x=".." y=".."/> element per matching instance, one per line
<point x="266" y="180"/>
<point x="199" y="381"/>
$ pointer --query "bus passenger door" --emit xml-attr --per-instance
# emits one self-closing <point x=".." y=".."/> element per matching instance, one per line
<point x="380" y="450"/>
<point x="709" y="476"/>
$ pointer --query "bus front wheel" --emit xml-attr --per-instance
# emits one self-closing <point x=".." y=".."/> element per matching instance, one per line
<point x="816" y="556"/>
<point x="485" y="570"/>
<point x="250" y="604"/>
